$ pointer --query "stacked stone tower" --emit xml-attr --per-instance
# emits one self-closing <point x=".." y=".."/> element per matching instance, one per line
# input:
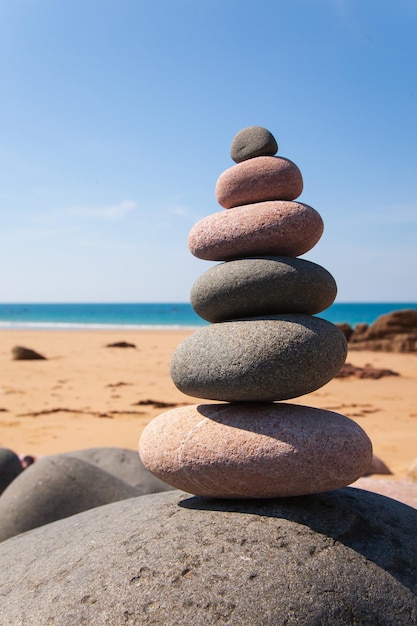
<point x="264" y="345"/>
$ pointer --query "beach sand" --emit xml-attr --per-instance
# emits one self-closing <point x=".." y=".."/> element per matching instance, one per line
<point x="86" y="394"/>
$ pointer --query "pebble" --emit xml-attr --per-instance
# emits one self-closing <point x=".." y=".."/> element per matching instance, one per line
<point x="260" y="359"/>
<point x="262" y="286"/>
<point x="257" y="180"/>
<point x="278" y="228"/>
<point x="251" y="142"/>
<point x="255" y="450"/>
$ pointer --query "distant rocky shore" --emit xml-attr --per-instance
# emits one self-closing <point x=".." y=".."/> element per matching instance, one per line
<point x="393" y="332"/>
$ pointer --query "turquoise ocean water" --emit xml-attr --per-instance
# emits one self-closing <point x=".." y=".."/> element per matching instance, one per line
<point x="147" y="316"/>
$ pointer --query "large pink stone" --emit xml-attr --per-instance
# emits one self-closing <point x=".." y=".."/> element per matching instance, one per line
<point x="254" y="450"/>
<point x="262" y="229"/>
<point x="257" y="180"/>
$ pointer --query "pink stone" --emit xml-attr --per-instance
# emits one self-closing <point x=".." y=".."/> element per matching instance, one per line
<point x="254" y="450"/>
<point x="257" y="180"/>
<point x="266" y="228"/>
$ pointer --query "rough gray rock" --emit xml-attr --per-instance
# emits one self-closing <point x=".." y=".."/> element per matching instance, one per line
<point x="253" y="141"/>
<point x="345" y="557"/>
<point x="262" y="286"/>
<point x="56" y="487"/>
<point x="20" y="353"/>
<point x="10" y="467"/>
<point x="123" y="463"/>
<point x="259" y="360"/>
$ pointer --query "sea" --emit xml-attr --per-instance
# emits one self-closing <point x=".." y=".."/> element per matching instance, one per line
<point x="167" y="315"/>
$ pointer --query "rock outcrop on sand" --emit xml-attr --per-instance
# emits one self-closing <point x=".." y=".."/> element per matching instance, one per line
<point x="368" y="371"/>
<point x="393" y="332"/>
<point x="264" y="346"/>
<point x="345" y="557"/>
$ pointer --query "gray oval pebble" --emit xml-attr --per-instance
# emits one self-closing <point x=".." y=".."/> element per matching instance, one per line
<point x="262" y="286"/>
<point x="260" y="359"/>
<point x="251" y="142"/>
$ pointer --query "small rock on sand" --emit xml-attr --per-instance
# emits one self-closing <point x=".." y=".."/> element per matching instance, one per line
<point x="20" y="353"/>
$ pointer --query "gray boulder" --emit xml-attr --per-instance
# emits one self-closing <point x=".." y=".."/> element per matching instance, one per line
<point x="10" y="467"/>
<point x="125" y="464"/>
<point x="344" y="557"/>
<point x="56" y="487"/>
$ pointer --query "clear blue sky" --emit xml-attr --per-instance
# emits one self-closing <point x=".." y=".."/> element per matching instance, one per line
<point x="117" y="118"/>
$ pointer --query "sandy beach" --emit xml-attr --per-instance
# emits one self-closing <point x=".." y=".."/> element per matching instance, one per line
<point x="86" y="394"/>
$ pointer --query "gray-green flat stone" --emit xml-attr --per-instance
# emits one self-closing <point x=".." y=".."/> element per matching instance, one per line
<point x="259" y="359"/>
<point x="262" y="286"/>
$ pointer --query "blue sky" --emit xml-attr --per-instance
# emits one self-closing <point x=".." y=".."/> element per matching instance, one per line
<point x="117" y="118"/>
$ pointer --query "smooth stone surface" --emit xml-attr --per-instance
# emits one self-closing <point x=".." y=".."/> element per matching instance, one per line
<point x="259" y="360"/>
<point x="262" y="286"/>
<point x="341" y="558"/>
<point x="264" y="229"/>
<point x="254" y="450"/>
<point x="257" y="180"/>
<point x="124" y="464"/>
<point x="251" y="142"/>
<point x="56" y="487"/>
<point x="10" y="467"/>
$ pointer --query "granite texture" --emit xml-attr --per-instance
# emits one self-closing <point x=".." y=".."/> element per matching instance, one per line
<point x="253" y="141"/>
<point x="260" y="359"/>
<point x="341" y="558"/>
<point x="262" y="286"/>
<point x="254" y="450"/>
<point x="263" y="229"/>
<point x="257" y="180"/>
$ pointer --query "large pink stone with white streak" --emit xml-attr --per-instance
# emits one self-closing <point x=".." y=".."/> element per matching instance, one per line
<point x="278" y="228"/>
<point x="257" y="180"/>
<point x="254" y="450"/>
